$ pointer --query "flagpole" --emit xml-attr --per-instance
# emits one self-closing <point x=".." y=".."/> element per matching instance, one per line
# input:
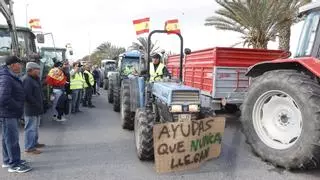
<point x="27" y="13"/>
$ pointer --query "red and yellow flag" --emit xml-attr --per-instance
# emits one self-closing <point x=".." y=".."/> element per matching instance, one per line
<point x="141" y="25"/>
<point x="35" y="24"/>
<point x="172" y="26"/>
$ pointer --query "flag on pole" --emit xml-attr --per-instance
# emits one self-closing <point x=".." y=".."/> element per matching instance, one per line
<point x="141" y="25"/>
<point x="172" y="26"/>
<point x="35" y="24"/>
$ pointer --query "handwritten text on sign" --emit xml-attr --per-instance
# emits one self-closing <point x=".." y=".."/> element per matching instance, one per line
<point x="185" y="145"/>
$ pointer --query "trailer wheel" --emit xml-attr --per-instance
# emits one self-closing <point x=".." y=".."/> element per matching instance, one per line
<point x="110" y="92"/>
<point x="126" y="114"/>
<point x="105" y="84"/>
<point x="281" y="120"/>
<point x="116" y="99"/>
<point x="143" y="133"/>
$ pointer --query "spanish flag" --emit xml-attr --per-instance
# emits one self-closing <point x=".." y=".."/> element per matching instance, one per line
<point x="141" y="25"/>
<point x="35" y="24"/>
<point x="56" y="77"/>
<point x="172" y="26"/>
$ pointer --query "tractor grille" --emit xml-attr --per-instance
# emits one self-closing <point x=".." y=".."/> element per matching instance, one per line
<point x="189" y="97"/>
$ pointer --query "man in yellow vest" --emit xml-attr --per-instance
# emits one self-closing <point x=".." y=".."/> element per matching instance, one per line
<point x="157" y="69"/>
<point x="88" y="87"/>
<point x="76" y="85"/>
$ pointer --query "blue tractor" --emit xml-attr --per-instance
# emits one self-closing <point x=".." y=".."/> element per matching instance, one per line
<point x="128" y="64"/>
<point x="146" y="103"/>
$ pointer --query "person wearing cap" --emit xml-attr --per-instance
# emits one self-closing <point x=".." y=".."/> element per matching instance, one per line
<point x="57" y="80"/>
<point x="76" y="85"/>
<point x="12" y="98"/>
<point x="88" y="85"/>
<point x="157" y="69"/>
<point x="33" y="108"/>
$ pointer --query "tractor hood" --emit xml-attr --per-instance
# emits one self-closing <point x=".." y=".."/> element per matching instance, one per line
<point x="173" y="93"/>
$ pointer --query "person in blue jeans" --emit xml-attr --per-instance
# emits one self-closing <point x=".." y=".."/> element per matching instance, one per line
<point x="12" y="98"/>
<point x="33" y="108"/>
<point x="76" y="85"/>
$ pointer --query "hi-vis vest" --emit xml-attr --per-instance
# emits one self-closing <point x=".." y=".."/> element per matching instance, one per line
<point x="156" y="75"/>
<point x="91" y="79"/>
<point x="77" y="81"/>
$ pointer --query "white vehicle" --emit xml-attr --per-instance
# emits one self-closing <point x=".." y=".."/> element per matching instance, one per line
<point x="107" y="65"/>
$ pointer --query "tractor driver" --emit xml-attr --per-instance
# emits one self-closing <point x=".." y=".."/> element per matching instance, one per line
<point x="130" y="70"/>
<point x="157" y="69"/>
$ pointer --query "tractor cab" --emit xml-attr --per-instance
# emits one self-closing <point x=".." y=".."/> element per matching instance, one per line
<point x="26" y="42"/>
<point x="49" y="56"/>
<point x="130" y="63"/>
<point x="309" y="42"/>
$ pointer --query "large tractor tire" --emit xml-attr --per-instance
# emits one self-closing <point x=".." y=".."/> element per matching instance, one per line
<point x="105" y="84"/>
<point x="116" y="98"/>
<point x="143" y="134"/>
<point x="281" y="120"/>
<point x="126" y="114"/>
<point x="110" y="92"/>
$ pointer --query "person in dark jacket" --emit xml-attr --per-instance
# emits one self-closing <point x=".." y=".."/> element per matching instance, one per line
<point x="97" y="78"/>
<point x="33" y="108"/>
<point x="12" y="98"/>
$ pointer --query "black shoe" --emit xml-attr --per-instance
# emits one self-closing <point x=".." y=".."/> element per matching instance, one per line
<point x="91" y="106"/>
<point x="19" y="168"/>
<point x="78" y="111"/>
<point x="84" y="105"/>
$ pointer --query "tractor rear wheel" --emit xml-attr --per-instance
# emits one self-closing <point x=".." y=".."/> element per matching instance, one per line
<point x="116" y="98"/>
<point x="143" y="133"/>
<point x="126" y="114"/>
<point x="110" y="92"/>
<point x="281" y="121"/>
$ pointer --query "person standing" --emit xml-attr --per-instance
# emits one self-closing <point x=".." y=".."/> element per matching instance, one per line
<point x="88" y="85"/>
<point x="97" y="78"/>
<point x="76" y="85"/>
<point x="57" y="80"/>
<point x="33" y="108"/>
<point x="12" y="98"/>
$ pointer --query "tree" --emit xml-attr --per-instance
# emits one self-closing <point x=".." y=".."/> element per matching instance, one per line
<point x="142" y="45"/>
<point x="105" y="51"/>
<point x="290" y="9"/>
<point x="256" y="20"/>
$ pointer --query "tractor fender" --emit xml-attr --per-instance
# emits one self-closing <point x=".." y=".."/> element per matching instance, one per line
<point x="307" y="64"/>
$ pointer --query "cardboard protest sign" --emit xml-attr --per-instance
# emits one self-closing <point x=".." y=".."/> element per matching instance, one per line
<point x="186" y="145"/>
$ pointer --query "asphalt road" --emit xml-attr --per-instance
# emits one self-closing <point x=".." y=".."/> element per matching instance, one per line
<point x="92" y="145"/>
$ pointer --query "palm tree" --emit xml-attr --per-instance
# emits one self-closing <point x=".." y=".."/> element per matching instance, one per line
<point x="105" y="51"/>
<point x="290" y="9"/>
<point x="142" y="45"/>
<point x="256" y="20"/>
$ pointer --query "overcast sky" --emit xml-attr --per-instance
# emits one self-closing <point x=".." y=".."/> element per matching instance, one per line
<point x="86" y="24"/>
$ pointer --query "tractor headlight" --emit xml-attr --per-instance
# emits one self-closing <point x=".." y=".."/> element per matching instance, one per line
<point x="176" y="108"/>
<point x="194" y="108"/>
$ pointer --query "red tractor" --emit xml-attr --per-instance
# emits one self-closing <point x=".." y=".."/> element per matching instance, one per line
<point x="281" y="110"/>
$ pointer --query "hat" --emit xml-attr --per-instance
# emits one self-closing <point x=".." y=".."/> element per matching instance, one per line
<point x="12" y="60"/>
<point x="32" y="65"/>
<point x="156" y="56"/>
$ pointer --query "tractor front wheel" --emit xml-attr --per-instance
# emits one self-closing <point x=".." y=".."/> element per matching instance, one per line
<point x="116" y="99"/>
<point x="110" y="92"/>
<point x="143" y="133"/>
<point x="126" y="114"/>
<point x="105" y="84"/>
<point x="281" y="121"/>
